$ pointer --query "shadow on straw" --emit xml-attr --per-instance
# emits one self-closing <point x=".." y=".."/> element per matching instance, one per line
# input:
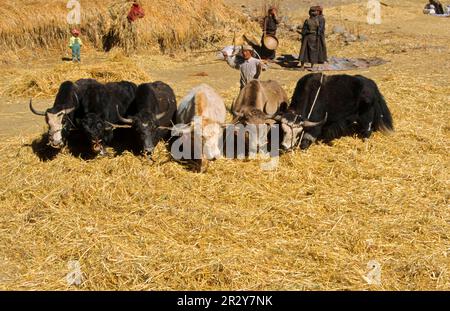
<point x="77" y="145"/>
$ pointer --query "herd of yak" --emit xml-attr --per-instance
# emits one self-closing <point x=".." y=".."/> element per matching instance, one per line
<point x="322" y="107"/>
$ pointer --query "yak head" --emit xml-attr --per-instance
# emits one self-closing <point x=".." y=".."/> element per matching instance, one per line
<point x="147" y="128"/>
<point x="59" y="117"/>
<point x="252" y="116"/>
<point x="58" y="122"/>
<point x="202" y="135"/>
<point x="292" y="125"/>
<point x="211" y="134"/>
<point x="97" y="131"/>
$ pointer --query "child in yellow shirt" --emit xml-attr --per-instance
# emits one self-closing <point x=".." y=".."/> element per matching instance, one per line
<point x="75" y="45"/>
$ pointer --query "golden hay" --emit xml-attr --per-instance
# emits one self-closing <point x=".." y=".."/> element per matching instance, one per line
<point x="312" y="224"/>
<point x="167" y="26"/>
<point x="46" y="82"/>
<point x="266" y="4"/>
<point x="133" y="225"/>
<point x="121" y="33"/>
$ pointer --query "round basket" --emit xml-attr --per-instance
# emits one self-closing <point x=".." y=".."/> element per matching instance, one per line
<point x="270" y="42"/>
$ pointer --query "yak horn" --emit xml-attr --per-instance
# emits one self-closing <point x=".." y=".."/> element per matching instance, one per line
<point x="122" y="119"/>
<point x="160" y="116"/>
<point x="69" y="110"/>
<point x="238" y="114"/>
<point x="277" y="117"/>
<point x="39" y="113"/>
<point x="231" y="109"/>
<point x="313" y="124"/>
<point x="270" y="122"/>
<point x="113" y="126"/>
<point x="179" y="129"/>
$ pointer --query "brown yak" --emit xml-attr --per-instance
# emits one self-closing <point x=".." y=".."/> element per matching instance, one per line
<point x="258" y="102"/>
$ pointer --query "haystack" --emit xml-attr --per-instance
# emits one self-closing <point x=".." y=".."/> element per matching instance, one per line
<point x="45" y="82"/>
<point x="167" y="25"/>
<point x="121" y="33"/>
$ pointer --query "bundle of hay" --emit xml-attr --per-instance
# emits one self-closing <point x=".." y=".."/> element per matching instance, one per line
<point x="121" y="33"/>
<point x="269" y="3"/>
<point x="167" y="26"/>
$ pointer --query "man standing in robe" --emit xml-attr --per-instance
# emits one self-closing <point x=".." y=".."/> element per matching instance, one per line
<point x="312" y="49"/>
<point x="270" y="25"/>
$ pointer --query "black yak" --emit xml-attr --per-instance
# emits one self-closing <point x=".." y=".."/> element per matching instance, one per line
<point x="63" y="116"/>
<point x="100" y="112"/>
<point x="344" y="104"/>
<point x="151" y="112"/>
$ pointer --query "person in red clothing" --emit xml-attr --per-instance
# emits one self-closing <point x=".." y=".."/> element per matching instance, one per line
<point x="136" y="12"/>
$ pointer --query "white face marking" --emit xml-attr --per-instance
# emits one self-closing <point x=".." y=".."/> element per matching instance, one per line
<point x="290" y="135"/>
<point x="55" y="125"/>
<point x="211" y="135"/>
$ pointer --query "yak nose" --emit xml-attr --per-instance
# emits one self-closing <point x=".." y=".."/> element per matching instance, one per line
<point x="285" y="147"/>
<point x="148" y="151"/>
<point x="212" y="153"/>
<point x="97" y="145"/>
<point x="284" y="150"/>
<point x="57" y="144"/>
<point x="148" y="145"/>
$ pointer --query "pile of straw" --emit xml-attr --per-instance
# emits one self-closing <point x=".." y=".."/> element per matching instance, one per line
<point x="45" y="82"/>
<point x="313" y="224"/>
<point x="121" y="32"/>
<point x="167" y="25"/>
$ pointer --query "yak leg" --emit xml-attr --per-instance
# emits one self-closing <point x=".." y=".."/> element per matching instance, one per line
<point x="201" y="165"/>
<point x="204" y="165"/>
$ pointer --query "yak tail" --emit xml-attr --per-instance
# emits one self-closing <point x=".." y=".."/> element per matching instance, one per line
<point x="383" y="117"/>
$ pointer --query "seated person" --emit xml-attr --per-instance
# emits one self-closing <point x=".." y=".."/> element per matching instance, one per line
<point x="433" y="7"/>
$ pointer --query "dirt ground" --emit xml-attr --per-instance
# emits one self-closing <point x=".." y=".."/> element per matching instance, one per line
<point x="313" y="224"/>
<point x="287" y="5"/>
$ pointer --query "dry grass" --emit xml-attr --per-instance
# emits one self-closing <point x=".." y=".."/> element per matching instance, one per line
<point x="266" y="4"/>
<point x="133" y="225"/>
<point x="45" y="82"/>
<point x="167" y="26"/>
<point x="313" y="224"/>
